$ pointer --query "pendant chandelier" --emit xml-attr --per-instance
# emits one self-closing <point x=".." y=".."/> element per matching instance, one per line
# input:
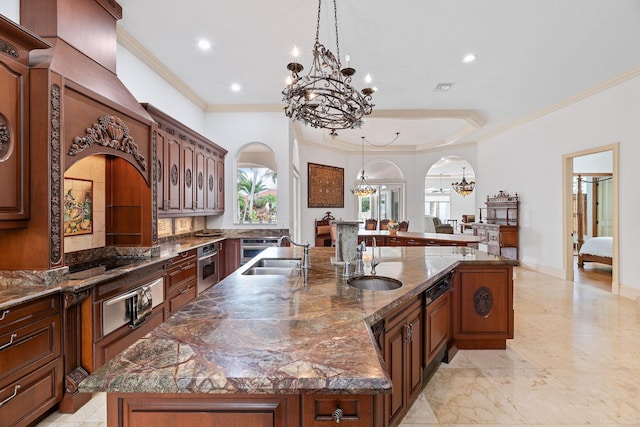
<point x="463" y="187"/>
<point x="324" y="97"/>
<point x="363" y="188"/>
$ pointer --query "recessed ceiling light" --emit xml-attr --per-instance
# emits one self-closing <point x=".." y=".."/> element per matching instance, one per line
<point x="236" y="87"/>
<point x="469" y="57"/>
<point x="443" y="87"/>
<point x="204" y="44"/>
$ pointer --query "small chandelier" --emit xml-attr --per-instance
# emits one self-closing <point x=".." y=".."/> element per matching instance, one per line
<point x="363" y="188"/>
<point x="324" y="98"/>
<point x="463" y="187"/>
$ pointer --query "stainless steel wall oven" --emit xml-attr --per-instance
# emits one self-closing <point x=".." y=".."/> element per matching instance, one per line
<point x="208" y="266"/>
<point x="250" y="247"/>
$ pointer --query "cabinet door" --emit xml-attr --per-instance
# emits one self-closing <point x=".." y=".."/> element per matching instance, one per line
<point x="188" y="154"/>
<point x="14" y="148"/>
<point x="220" y="181"/>
<point x="162" y="173"/>
<point x="174" y="173"/>
<point x="483" y="306"/>
<point x="394" y="357"/>
<point x="211" y="193"/>
<point x="199" y="179"/>
<point x="437" y="326"/>
<point x="414" y="353"/>
<point x="231" y="255"/>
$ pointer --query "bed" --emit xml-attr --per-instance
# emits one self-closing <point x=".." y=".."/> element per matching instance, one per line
<point x="596" y="249"/>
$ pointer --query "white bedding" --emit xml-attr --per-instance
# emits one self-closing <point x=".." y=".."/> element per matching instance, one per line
<point x="600" y="246"/>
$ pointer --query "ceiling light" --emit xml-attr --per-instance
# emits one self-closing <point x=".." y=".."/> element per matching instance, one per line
<point x="443" y="87"/>
<point x="470" y="57"/>
<point x="463" y="187"/>
<point x="363" y="188"/>
<point x="236" y="87"/>
<point x="324" y="97"/>
<point x="204" y="44"/>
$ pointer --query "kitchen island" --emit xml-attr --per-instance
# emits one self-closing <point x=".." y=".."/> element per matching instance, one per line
<point x="280" y="349"/>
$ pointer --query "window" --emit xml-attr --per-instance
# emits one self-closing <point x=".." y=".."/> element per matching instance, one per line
<point x="387" y="202"/>
<point x="256" y="185"/>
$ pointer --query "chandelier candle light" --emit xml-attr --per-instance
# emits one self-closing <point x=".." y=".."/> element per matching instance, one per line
<point x="363" y="188"/>
<point x="463" y="187"/>
<point x="324" y="98"/>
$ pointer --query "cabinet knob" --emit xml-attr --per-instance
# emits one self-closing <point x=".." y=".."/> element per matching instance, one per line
<point x="337" y="415"/>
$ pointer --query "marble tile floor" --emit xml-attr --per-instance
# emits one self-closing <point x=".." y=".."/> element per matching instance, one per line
<point x="575" y="361"/>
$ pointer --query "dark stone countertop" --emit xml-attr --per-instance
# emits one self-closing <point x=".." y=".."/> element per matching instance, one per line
<point x="303" y="333"/>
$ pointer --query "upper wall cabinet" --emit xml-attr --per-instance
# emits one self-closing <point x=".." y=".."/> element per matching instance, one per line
<point x="190" y="169"/>
<point x="15" y="44"/>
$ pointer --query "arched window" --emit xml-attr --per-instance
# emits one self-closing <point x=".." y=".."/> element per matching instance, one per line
<point x="256" y="185"/>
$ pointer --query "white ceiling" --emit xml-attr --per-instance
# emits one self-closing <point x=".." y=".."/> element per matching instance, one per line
<point x="532" y="56"/>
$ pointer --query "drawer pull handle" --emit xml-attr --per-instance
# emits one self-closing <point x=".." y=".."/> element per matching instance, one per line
<point x="15" y="393"/>
<point x="186" y="267"/>
<point x="2" y="347"/>
<point x="337" y="415"/>
<point x="4" y="314"/>
<point x="184" y="291"/>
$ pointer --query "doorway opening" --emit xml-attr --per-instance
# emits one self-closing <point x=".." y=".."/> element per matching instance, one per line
<point x="587" y="214"/>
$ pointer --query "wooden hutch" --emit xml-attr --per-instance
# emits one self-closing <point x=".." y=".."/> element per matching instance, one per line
<point x="500" y="229"/>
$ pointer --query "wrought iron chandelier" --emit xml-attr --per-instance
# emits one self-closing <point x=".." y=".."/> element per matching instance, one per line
<point x="363" y="188"/>
<point x="324" y="98"/>
<point x="463" y="187"/>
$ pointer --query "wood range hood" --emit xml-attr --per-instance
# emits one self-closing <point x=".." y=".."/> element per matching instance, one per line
<point x="78" y="107"/>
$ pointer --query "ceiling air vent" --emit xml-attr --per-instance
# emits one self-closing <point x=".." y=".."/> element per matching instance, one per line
<point x="443" y="87"/>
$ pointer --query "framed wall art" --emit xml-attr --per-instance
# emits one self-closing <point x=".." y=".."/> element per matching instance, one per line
<point x="325" y="186"/>
<point x="78" y="206"/>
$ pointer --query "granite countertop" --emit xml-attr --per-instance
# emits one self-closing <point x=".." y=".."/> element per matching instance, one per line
<point x="303" y="333"/>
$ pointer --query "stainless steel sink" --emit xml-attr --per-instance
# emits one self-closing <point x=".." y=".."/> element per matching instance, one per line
<point x="374" y="283"/>
<point x="278" y="262"/>
<point x="273" y="271"/>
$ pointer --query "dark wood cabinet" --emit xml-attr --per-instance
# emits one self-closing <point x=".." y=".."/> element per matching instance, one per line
<point x="15" y="44"/>
<point x="31" y="372"/>
<point x="204" y="410"/>
<point x="402" y="349"/>
<point x="500" y="229"/>
<point x="192" y="169"/>
<point x="437" y="326"/>
<point x="482" y="306"/>
<point x="329" y="409"/>
<point x="169" y="192"/>
<point x="229" y="257"/>
<point x="181" y="281"/>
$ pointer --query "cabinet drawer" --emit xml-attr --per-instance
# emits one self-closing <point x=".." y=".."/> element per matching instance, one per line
<point x="28" y="398"/>
<point x="493" y="237"/>
<point x="183" y="296"/>
<point x="27" y="348"/>
<point x="181" y="274"/>
<point x="16" y="317"/>
<point x="318" y="410"/>
<point x="183" y="257"/>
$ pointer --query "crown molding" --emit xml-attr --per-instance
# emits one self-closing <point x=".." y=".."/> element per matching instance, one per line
<point x="244" y="108"/>
<point x="144" y="55"/>
<point x="621" y="78"/>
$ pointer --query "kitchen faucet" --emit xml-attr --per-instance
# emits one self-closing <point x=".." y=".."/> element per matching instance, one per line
<point x="373" y="256"/>
<point x="306" y="263"/>
<point x="360" y="250"/>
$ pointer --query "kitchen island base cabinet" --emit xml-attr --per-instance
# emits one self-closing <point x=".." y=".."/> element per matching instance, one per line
<point x="483" y="306"/>
<point x="202" y="410"/>
<point x="403" y="357"/>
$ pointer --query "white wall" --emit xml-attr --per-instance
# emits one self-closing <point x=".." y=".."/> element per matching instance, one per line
<point x="413" y="167"/>
<point x="147" y="86"/>
<point x="528" y="160"/>
<point x="235" y="130"/>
